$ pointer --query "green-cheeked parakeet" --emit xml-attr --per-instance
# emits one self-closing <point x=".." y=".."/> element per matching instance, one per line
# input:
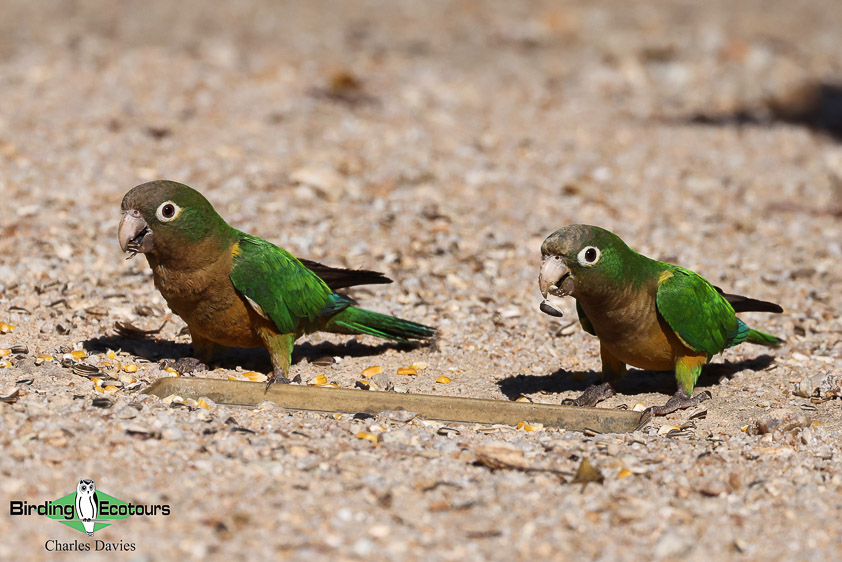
<point x="237" y="290"/>
<point x="646" y="313"/>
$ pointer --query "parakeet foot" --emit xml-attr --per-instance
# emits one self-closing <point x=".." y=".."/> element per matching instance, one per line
<point x="679" y="401"/>
<point x="279" y="376"/>
<point x="592" y="396"/>
<point x="184" y="365"/>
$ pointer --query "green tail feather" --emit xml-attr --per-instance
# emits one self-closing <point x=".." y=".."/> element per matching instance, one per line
<point x="355" y="320"/>
<point x="762" y="338"/>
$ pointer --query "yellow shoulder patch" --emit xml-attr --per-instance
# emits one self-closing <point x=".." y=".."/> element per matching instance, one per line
<point x="235" y="249"/>
<point x="664" y="276"/>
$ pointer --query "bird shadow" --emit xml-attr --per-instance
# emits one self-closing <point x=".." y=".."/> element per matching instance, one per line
<point x="153" y="349"/>
<point x="814" y="105"/>
<point x="635" y="382"/>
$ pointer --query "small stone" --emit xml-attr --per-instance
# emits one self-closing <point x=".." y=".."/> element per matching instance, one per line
<point x="782" y="419"/>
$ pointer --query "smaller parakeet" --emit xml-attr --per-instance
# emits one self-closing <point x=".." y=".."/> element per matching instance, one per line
<point x="646" y="313"/>
<point x="237" y="290"/>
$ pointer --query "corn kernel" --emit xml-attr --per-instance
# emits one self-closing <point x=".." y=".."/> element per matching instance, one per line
<point x="44" y="356"/>
<point x="110" y="388"/>
<point x="624" y="472"/>
<point x="320" y="380"/>
<point x="202" y="404"/>
<point x="111" y="354"/>
<point x="5" y="352"/>
<point x="6" y="328"/>
<point x="371" y="371"/>
<point x="78" y="354"/>
<point x="522" y="399"/>
<point x="418" y="365"/>
<point x="368" y="436"/>
<point x="407" y="371"/>
<point x="638" y="407"/>
<point x="337" y="417"/>
<point x="130" y="368"/>
<point x="443" y="380"/>
<point x="234" y="378"/>
<point x="5" y="364"/>
<point x="173" y="372"/>
<point x="254" y="376"/>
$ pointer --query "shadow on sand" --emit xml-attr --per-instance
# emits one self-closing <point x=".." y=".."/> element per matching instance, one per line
<point x="635" y="382"/>
<point x="256" y="359"/>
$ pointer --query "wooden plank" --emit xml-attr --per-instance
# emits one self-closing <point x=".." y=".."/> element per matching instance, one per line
<point x="444" y="408"/>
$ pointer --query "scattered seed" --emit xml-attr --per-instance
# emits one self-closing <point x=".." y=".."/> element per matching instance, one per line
<point x="337" y="417"/>
<point x="102" y="402"/>
<point x="526" y="426"/>
<point x="623" y="473"/>
<point x="79" y="354"/>
<point x="175" y="373"/>
<point x="522" y="398"/>
<point x="5" y="352"/>
<point x="320" y="380"/>
<point x="5" y="364"/>
<point x="325" y="361"/>
<point x="6" y="328"/>
<point x="407" y="371"/>
<point x="364" y="385"/>
<point x="20" y="349"/>
<point x="130" y="368"/>
<point x="371" y="371"/>
<point x="254" y="376"/>
<point x="447" y="431"/>
<point x="200" y="403"/>
<point x="638" y="407"/>
<point x="367" y="436"/>
<point x="418" y="365"/>
<point x="85" y="370"/>
<point x="9" y="394"/>
<point x="443" y="380"/>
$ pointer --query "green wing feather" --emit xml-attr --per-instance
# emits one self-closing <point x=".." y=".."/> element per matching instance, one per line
<point x="290" y="294"/>
<point x="698" y="314"/>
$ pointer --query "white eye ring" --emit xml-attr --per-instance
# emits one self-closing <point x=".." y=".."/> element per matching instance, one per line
<point x="588" y="256"/>
<point x="168" y="211"/>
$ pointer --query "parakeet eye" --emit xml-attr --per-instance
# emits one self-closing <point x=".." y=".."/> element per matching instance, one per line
<point x="168" y="211"/>
<point x="589" y="256"/>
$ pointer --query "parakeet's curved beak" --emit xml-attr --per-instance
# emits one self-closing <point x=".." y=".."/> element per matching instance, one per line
<point x="134" y="234"/>
<point x="555" y="278"/>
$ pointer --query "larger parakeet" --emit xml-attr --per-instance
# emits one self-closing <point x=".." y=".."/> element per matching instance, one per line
<point x="646" y="313"/>
<point x="237" y="290"/>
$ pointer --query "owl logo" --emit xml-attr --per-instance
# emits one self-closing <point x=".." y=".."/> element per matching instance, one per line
<point x="86" y="505"/>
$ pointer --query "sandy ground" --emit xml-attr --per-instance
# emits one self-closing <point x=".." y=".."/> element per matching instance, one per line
<point x="439" y="142"/>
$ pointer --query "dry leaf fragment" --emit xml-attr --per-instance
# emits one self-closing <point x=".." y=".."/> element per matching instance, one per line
<point x="588" y="473"/>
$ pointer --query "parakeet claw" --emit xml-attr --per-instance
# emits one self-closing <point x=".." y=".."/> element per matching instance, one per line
<point x="592" y="396"/>
<point x="679" y="401"/>
<point x="278" y="376"/>
<point x="184" y="365"/>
